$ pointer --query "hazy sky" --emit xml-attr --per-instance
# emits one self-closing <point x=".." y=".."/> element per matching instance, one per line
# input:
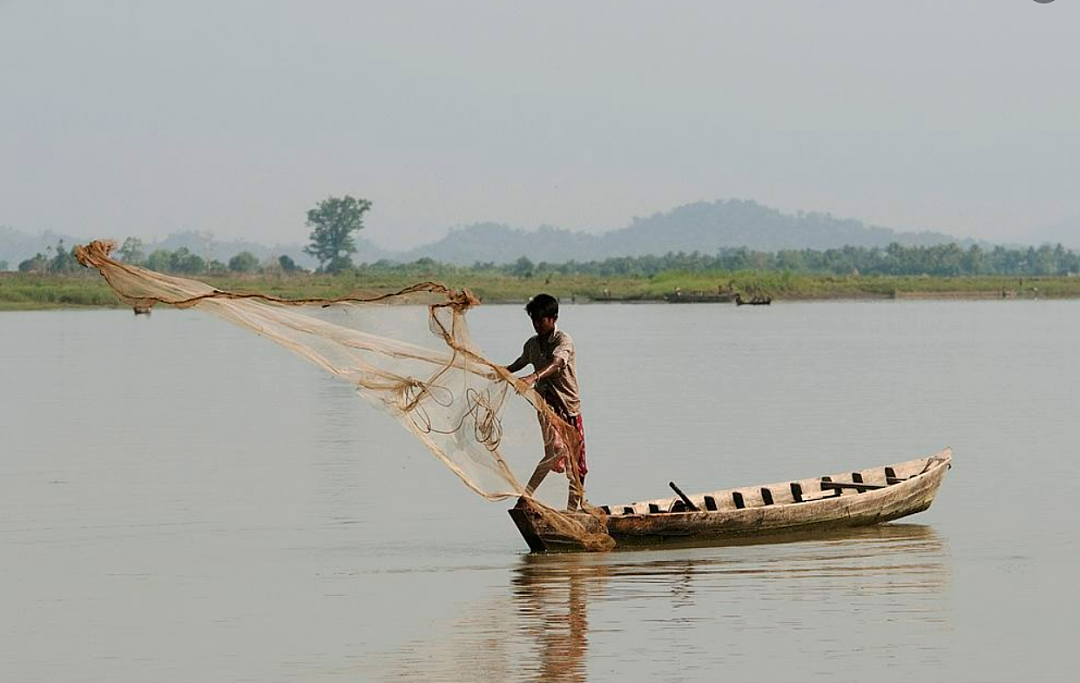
<point x="127" y="117"/>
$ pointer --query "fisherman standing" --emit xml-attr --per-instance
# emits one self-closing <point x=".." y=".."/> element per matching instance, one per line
<point x="554" y="377"/>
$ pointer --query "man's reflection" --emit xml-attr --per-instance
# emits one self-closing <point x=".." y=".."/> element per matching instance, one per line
<point x="552" y="595"/>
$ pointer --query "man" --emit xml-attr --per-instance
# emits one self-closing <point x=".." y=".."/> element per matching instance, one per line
<point x="554" y="376"/>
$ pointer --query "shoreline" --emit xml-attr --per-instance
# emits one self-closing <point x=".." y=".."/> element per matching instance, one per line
<point x="27" y="292"/>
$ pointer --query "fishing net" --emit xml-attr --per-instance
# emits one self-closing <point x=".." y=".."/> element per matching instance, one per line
<point x="410" y="354"/>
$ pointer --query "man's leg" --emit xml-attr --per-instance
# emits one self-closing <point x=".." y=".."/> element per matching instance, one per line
<point x="541" y="471"/>
<point x="552" y="448"/>
<point x="573" y="499"/>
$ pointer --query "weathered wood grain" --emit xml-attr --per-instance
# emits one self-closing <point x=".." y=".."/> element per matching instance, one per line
<point x="909" y="487"/>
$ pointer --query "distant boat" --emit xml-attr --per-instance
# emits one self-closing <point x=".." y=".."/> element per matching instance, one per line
<point x="756" y="300"/>
<point x="700" y="298"/>
<point x="722" y="295"/>
<point x="846" y="499"/>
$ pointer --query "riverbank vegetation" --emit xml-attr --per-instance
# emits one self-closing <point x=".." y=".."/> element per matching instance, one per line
<point x="941" y="271"/>
<point x="26" y="291"/>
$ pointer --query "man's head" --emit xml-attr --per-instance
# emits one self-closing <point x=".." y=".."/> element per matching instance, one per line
<point x="543" y="309"/>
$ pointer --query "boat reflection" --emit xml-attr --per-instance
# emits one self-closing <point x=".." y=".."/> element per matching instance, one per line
<point x="564" y="614"/>
<point x="676" y="591"/>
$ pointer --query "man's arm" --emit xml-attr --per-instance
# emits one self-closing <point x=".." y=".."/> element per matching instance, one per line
<point x="547" y="371"/>
<point x="517" y="365"/>
<point x="522" y="360"/>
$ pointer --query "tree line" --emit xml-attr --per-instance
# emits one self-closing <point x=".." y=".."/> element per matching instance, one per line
<point x="60" y="260"/>
<point x="944" y="260"/>
<point x="334" y="220"/>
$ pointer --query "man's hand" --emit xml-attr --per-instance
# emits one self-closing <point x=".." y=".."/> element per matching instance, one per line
<point x="523" y="384"/>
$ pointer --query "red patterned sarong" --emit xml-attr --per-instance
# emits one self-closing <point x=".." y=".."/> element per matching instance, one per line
<point x="560" y="464"/>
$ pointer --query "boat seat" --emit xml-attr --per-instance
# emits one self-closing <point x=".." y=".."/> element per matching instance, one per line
<point x="891" y="478"/>
<point x="750" y="498"/>
<point x="856" y="478"/>
<point x="799" y="495"/>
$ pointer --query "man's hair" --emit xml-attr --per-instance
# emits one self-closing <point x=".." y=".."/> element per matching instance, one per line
<point x="543" y="306"/>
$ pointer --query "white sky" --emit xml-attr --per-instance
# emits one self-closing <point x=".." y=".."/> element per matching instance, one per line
<point x="126" y="117"/>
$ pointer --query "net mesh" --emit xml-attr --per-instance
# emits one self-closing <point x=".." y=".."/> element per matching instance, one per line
<point x="410" y="354"/>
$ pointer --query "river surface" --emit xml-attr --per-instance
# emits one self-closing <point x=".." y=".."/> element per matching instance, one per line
<point x="183" y="501"/>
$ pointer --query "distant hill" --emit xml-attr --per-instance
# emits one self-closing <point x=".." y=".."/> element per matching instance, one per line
<point x="493" y="242"/>
<point x="706" y="227"/>
<point x="701" y="226"/>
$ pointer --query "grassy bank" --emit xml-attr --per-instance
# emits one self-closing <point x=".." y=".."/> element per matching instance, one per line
<point x="20" y="291"/>
<point x="24" y="292"/>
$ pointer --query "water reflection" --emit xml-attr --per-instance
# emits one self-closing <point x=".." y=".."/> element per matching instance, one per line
<point x="551" y="595"/>
<point x="571" y="618"/>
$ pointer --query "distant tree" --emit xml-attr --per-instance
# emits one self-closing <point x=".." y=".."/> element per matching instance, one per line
<point x="333" y="221"/>
<point x="160" y="260"/>
<point x="974" y="261"/>
<point x="790" y="260"/>
<point x="383" y="264"/>
<point x="244" y="262"/>
<point x="216" y="267"/>
<point x="523" y="267"/>
<point x="3" y="264"/>
<point x="131" y="251"/>
<point x="63" y="261"/>
<point x="183" y="261"/>
<point x="287" y="264"/>
<point x="179" y="261"/>
<point x="36" y="264"/>
<point x="1045" y="262"/>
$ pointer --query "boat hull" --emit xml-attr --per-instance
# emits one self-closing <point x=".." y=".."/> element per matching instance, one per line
<point x="663" y="523"/>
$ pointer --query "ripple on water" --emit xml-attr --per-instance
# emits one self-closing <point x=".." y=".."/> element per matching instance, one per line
<point x="562" y="616"/>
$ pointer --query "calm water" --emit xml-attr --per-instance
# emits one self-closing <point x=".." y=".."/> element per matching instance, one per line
<point x="183" y="501"/>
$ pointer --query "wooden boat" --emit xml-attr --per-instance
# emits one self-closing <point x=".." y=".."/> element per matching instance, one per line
<point x="700" y="298"/>
<point x="846" y="499"/>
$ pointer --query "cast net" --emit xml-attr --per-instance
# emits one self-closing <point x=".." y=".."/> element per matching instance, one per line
<point x="410" y="354"/>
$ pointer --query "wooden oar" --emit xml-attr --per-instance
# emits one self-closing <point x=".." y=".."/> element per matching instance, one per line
<point x="690" y="505"/>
